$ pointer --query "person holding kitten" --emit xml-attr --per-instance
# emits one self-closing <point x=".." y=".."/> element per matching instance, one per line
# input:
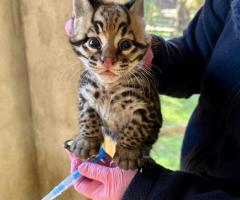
<point x="205" y="61"/>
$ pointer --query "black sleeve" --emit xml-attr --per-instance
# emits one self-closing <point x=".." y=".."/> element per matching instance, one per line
<point x="163" y="184"/>
<point x="179" y="63"/>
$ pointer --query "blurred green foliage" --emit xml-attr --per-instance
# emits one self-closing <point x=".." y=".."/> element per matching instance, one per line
<point x="174" y="19"/>
<point x="176" y="112"/>
<point x="151" y="11"/>
<point x="166" y="151"/>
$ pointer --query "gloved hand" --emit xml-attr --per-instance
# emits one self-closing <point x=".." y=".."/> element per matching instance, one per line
<point x="75" y="161"/>
<point x="149" y="55"/>
<point x="68" y="27"/>
<point x="99" y="181"/>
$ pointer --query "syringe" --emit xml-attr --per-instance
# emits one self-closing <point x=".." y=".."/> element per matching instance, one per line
<point x="69" y="181"/>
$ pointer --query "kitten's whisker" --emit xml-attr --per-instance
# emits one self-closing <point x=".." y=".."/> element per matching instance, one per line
<point x="133" y="82"/>
<point x="73" y="79"/>
<point x="142" y="72"/>
<point x="123" y="79"/>
<point x="156" y="67"/>
<point x="65" y="53"/>
<point x="83" y="76"/>
<point x="139" y="82"/>
<point x="146" y="79"/>
<point x="64" y="73"/>
<point x="151" y="76"/>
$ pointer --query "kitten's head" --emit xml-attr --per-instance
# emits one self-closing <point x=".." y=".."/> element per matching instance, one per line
<point x="109" y="38"/>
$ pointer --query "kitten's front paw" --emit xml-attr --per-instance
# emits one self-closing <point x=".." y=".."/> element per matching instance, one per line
<point x="132" y="159"/>
<point x="84" y="147"/>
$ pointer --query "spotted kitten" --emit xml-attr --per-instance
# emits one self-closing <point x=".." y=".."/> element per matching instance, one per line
<point x="116" y="93"/>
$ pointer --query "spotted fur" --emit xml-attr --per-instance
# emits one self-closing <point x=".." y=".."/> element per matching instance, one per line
<point x="125" y="104"/>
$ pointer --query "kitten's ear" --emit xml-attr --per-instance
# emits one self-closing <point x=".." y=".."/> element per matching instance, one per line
<point x="136" y="6"/>
<point x="81" y="7"/>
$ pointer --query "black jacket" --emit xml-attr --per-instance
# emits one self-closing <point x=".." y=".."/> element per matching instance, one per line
<point x="205" y="60"/>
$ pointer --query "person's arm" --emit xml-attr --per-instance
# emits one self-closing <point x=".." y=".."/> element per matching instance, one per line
<point x="113" y="183"/>
<point x="163" y="184"/>
<point x="179" y="63"/>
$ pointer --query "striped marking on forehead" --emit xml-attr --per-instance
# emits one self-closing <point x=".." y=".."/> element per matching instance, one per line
<point x="110" y="18"/>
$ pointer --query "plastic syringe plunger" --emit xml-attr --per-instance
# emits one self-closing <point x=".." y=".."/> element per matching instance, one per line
<point x="70" y="180"/>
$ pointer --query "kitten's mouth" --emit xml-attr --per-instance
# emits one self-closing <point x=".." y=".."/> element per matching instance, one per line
<point x="108" y="73"/>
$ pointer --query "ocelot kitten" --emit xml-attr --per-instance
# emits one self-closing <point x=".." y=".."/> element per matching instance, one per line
<point x="116" y="93"/>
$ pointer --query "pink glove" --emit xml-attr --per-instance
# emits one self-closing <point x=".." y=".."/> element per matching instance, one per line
<point x="101" y="182"/>
<point x="68" y="27"/>
<point x="149" y="55"/>
<point x="75" y="161"/>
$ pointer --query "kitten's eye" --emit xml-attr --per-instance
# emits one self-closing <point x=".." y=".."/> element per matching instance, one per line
<point x="94" y="43"/>
<point x="125" y="45"/>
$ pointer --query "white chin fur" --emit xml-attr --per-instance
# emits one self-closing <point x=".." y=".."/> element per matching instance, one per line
<point x="108" y="79"/>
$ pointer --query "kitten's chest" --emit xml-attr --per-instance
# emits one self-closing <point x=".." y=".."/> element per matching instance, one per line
<point x="112" y="115"/>
<point x="114" y="106"/>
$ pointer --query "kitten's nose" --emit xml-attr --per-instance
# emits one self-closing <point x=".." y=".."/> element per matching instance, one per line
<point x="108" y="62"/>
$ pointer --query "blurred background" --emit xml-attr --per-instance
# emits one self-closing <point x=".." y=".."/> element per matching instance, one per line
<point x="169" y="18"/>
<point x="38" y="99"/>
